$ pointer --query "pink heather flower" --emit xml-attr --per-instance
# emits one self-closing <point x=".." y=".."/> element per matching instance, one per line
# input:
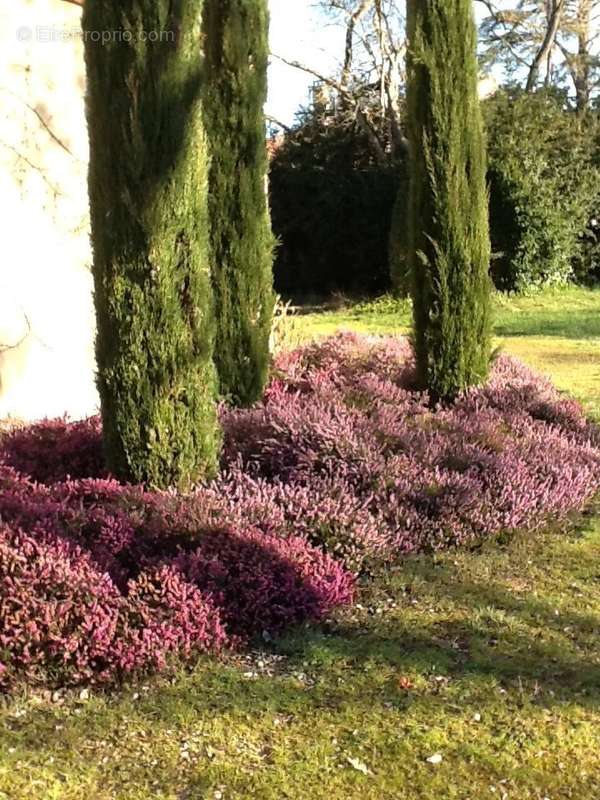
<point x="341" y="465"/>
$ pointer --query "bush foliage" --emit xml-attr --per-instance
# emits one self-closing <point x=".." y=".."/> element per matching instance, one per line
<point x="586" y="265"/>
<point x="331" y="206"/>
<point x="341" y="219"/>
<point x="341" y="466"/>
<point x="98" y="581"/>
<point x="543" y="183"/>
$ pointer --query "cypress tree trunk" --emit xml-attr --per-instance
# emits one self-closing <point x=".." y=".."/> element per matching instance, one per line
<point x="148" y="200"/>
<point x="236" y="36"/>
<point x="449" y="249"/>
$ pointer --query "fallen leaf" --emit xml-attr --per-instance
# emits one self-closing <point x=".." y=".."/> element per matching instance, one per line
<point x="358" y="765"/>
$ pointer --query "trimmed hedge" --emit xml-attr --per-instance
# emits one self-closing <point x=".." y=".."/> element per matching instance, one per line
<point x="341" y="219"/>
<point x="543" y="184"/>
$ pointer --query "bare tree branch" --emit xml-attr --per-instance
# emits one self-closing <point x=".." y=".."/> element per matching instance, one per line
<point x="361" y="118"/>
<point x="5" y="348"/>
<point x="353" y="20"/>
<point x="42" y="122"/>
<point x="277" y="122"/>
<point x="55" y="190"/>
<point x="555" y="16"/>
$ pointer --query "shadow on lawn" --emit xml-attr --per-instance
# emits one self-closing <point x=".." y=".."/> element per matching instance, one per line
<point x="457" y="635"/>
<point x="477" y="628"/>
<point x="583" y="324"/>
<point x="481" y="646"/>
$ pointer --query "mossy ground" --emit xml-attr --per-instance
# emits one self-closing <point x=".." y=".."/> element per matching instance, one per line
<point x="489" y="658"/>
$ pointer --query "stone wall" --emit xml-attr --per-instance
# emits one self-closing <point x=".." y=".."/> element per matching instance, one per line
<point x="46" y="309"/>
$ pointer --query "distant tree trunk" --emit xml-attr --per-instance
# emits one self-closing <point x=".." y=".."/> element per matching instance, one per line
<point x="236" y="35"/>
<point x="353" y="20"/>
<point x="555" y="12"/>
<point x="147" y="184"/>
<point x="580" y="65"/>
<point x="448" y="239"/>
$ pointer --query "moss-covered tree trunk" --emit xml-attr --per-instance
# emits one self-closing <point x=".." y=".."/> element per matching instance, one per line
<point x="448" y="241"/>
<point x="236" y="36"/>
<point x="148" y="199"/>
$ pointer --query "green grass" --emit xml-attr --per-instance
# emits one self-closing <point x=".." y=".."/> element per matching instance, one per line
<point x="489" y="658"/>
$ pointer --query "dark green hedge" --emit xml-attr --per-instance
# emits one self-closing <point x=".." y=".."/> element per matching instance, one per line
<point x="543" y="183"/>
<point x="333" y="228"/>
<point x="331" y="205"/>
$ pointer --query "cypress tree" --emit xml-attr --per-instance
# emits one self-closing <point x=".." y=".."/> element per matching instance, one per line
<point x="448" y="236"/>
<point x="236" y="37"/>
<point x="148" y="202"/>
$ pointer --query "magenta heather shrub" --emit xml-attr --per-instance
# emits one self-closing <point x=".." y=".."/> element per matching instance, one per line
<point x="341" y="414"/>
<point x="54" y="449"/>
<point x="58" y="615"/>
<point x="342" y="464"/>
<point x="63" y="621"/>
<point x="99" y="580"/>
<point x="166" y="614"/>
<point x="261" y="581"/>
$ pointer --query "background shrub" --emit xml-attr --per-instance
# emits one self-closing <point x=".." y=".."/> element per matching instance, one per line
<point x="586" y="264"/>
<point x="331" y="207"/>
<point x="341" y="217"/>
<point x="543" y="182"/>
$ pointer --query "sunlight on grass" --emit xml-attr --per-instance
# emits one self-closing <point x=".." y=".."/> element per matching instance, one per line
<point x="572" y="364"/>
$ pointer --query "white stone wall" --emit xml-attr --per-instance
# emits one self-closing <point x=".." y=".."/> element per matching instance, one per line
<point x="46" y="309"/>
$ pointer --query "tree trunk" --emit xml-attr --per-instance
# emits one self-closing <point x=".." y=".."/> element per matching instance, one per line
<point x="554" y="19"/>
<point x="236" y="33"/>
<point x="448" y="237"/>
<point x="354" y="17"/>
<point x="582" y="62"/>
<point x="147" y="185"/>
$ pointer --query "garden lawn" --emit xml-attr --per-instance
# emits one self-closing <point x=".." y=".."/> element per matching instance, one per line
<point x="489" y="659"/>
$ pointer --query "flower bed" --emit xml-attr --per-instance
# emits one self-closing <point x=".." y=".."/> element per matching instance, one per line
<point x="342" y="463"/>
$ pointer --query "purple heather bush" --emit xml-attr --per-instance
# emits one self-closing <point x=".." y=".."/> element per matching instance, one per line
<point x="99" y="580"/>
<point x="63" y="621"/>
<point x="341" y="465"/>
<point x="55" y="449"/>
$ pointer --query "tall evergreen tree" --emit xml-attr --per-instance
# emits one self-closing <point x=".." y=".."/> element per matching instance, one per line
<point x="448" y="237"/>
<point x="148" y="200"/>
<point x="236" y="37"/>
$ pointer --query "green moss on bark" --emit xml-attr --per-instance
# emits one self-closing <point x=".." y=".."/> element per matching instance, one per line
<point x="236" y="35"/>
<point x="448" y="236"/>
<point x="148" y="200"/>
